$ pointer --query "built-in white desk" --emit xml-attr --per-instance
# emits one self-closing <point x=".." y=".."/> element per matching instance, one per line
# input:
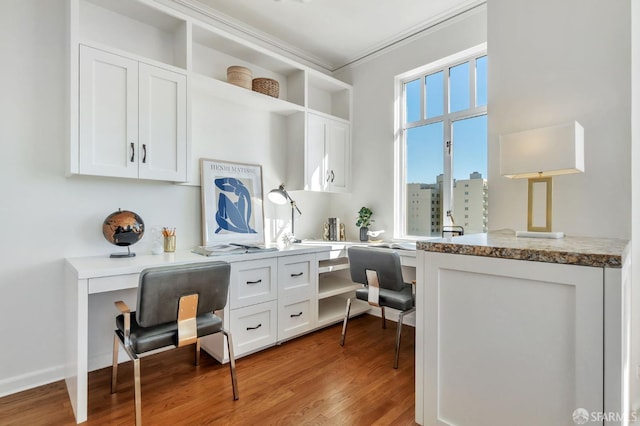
<point x="320" y="267"/>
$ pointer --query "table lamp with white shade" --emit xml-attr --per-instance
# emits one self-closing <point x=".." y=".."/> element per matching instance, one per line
<point x="538" y="155"/>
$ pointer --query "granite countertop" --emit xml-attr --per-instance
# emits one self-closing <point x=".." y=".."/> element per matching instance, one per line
<point x="583" y="251"/>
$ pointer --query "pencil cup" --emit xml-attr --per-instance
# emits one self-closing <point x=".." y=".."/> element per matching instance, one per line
<point x="169" y="243"/>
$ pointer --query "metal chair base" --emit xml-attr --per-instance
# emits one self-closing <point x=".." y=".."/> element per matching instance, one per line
<point x="384" y="325"/>
<point x="136" y="370"/>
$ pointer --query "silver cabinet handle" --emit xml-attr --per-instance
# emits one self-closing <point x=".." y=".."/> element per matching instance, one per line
<point x="254" y="328"/>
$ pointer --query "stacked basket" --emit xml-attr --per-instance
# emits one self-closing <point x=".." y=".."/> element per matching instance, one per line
<point x="267" y="86"/>
<point x="239" y="76"/>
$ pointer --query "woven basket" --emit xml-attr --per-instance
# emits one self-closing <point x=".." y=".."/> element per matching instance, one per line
<point x="239" y="76"/>
<point x="267" y="86"/>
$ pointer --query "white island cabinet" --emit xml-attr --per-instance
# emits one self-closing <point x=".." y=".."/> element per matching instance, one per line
<point x="521" y="331"/>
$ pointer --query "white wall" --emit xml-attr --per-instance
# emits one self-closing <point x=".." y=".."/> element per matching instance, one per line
<point x="373" y="131"/>
<point x="46" y="216"/>
<point x="552" y="62"/>
<point x="635" y="208"/>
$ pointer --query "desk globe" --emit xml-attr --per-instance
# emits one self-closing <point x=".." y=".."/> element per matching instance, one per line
<point x="123" y="228"/>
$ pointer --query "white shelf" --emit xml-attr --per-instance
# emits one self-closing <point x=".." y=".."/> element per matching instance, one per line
<point x="241" y="96"/>
<point x="335" y="286"/>
<point x="332" y="310"/>
<point x="332" y="267"/>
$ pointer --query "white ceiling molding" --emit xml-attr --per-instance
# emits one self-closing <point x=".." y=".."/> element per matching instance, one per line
<point x="242" y="29"/>
<point x="255" y="35"/>
<point x="450" y="16"/>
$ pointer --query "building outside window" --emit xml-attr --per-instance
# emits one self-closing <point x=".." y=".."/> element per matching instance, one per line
<point x="442" y="146"/>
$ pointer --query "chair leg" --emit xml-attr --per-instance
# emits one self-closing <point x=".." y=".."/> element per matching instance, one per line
<point x="114" y="366"/>
<point x="384" y="320"/>
<point x="137" y="393"/>
<point x="232" y="365"/>
<point x="344" y="323"/>
<point x="395" y="360"/>
<point x="399" y="331"/>
<point x="197" y="358"/>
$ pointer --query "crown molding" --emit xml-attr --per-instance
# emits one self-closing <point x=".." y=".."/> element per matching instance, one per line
<point x="415" y="32"/>
<point x="244" y="30"/>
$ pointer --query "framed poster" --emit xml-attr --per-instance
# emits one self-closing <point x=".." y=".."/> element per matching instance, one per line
<point x="232" y="206"/>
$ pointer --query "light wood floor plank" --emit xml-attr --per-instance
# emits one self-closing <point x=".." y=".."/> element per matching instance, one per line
<point x="310" y="380"/>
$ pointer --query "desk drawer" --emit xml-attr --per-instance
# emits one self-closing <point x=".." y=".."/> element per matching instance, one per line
<point x="113" y="283"/>
<point x="297" y="276"/>
<point x="253" y="282"/>
<point x="295" y="318"/>
<point x="253" y="327"/>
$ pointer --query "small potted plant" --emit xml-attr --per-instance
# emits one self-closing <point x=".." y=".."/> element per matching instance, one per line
<point x="364" y="220"/>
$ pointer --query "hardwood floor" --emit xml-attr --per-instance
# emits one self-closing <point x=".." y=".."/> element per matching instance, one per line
<point x="310" y="380"/>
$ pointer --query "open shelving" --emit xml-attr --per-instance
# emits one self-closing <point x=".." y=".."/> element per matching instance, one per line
<point x="161" y="35"/>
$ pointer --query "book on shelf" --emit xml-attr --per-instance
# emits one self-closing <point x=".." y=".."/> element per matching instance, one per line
<point x="395" y="245"/>
<point x="231" y="248"/>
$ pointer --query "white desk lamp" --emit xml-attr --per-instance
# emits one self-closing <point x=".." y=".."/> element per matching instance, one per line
<point x="538" y="155"/>
<point x="281" y="196"/>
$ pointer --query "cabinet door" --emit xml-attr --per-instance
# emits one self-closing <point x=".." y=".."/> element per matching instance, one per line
<point x="108" y="126"/>
<point x="315" y="179"/>
<point x="327" y="155"/>
<point x="163" y="127"/>
<point x="337" y="145"/>
<point x="518" y="338"/>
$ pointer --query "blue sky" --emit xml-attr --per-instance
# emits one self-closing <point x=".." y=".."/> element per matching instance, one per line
<point x="424" y="144"/>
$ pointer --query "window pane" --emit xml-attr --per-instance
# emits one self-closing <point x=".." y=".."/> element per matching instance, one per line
<point x="412" y="100"/>
<point x="424" y="159"/>
<point x="470" y="196"/>
<point x="459" y="90"/>
<point x="481" y="81"/>
<point x="435" y="94"/>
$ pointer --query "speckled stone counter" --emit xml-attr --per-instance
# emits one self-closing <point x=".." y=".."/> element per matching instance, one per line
<point x="583" y="251"/>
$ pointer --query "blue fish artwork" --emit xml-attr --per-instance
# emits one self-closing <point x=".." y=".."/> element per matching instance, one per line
<point x="233" y="216"/>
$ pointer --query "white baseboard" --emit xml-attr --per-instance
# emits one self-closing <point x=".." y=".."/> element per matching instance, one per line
<point x="30" y="380"/>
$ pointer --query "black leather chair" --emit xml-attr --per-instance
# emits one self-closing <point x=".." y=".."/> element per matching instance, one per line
<point x="176" y="307"/>
<point x="381" y="273"/>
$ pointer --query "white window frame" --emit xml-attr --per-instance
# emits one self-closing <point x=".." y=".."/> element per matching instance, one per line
<point x="400" y="199"/>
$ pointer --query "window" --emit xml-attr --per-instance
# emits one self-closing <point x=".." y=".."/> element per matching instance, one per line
<point x="442" y="145"/>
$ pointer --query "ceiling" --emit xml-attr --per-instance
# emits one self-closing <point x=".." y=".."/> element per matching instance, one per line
<point x="332" y="33"/>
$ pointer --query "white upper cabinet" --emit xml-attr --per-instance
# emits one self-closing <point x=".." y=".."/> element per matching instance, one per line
<point x="108" y="114"/>
<point x="132" y="118"/>
<point x="162" y="151"/>
<point x="323" y="163"/>
<point x="130" y="100"/>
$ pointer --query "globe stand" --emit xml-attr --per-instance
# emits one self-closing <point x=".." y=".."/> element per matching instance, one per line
<point x="129" y="253"/>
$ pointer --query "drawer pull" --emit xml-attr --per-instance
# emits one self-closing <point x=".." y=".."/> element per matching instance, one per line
<point x="254" y="328"/>
<point x="254" y="282"/>
<point x="295" y="315"/>
<point x="297" y="275"/>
